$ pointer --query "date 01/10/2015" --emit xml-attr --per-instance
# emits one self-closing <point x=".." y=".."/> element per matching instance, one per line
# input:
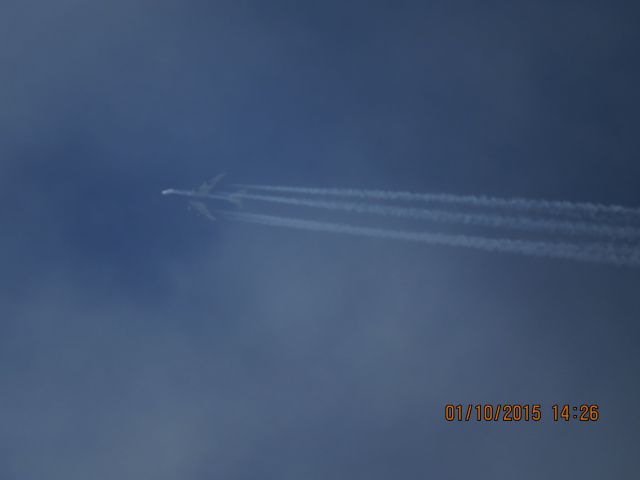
<point x="515" y="412"/>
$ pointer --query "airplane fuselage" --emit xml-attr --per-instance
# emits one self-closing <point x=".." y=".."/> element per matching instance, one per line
<point x="194" y="194"/>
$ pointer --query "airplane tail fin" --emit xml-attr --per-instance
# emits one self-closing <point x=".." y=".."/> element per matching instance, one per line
<point x="236" y="198"/>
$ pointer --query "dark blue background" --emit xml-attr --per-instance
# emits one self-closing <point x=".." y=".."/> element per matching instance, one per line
<point x="138" y="340"/>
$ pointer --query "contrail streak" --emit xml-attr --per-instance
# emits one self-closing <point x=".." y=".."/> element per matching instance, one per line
<point x="523" y="204"/>
<point x="474" y="219"/>
<point x="591" y="253"/>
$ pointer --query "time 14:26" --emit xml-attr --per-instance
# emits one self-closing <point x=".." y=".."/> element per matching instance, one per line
<point x="582" y="413"/>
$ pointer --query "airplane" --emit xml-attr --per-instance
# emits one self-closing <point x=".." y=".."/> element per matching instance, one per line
<point x="204" y="191"/>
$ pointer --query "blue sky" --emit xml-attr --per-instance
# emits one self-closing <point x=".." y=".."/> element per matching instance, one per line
<point x="138" y="340"/>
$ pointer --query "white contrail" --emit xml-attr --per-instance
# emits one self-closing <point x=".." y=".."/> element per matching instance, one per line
<point x="473" y="219"/>
<point x="590" y="253"/>
<point x="523" y="204"/>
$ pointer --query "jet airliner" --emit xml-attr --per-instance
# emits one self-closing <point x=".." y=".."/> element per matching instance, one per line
<point x="204" y="191"/>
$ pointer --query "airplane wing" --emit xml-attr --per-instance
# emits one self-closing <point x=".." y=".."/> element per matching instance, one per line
<point x="206" y="187"/>
<point x="202" y="209"/>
